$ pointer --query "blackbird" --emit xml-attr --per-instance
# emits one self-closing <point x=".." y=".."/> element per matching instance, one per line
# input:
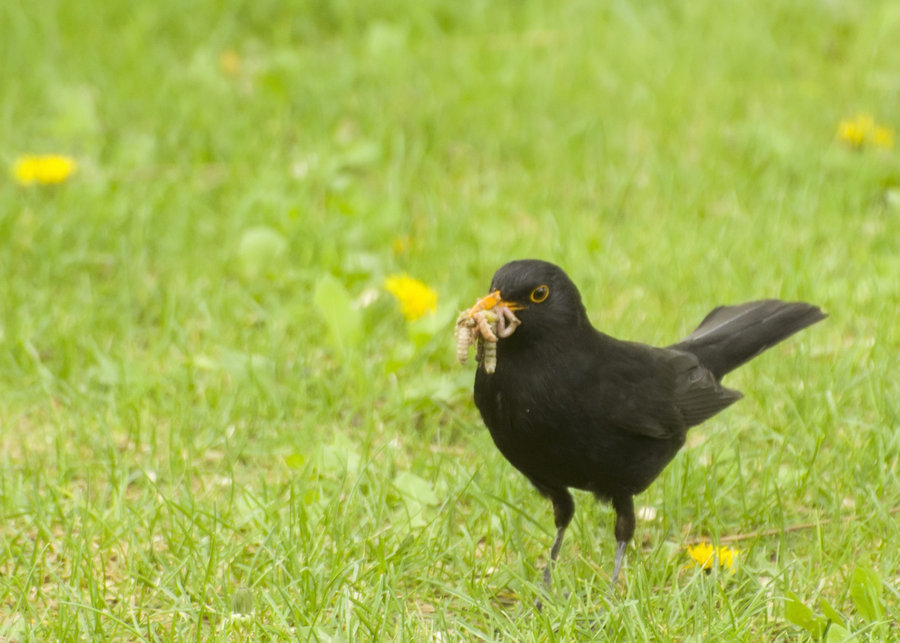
<point x="571" y="407"/>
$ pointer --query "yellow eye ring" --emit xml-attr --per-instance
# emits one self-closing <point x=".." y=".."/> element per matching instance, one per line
<point x="539" y="294"/>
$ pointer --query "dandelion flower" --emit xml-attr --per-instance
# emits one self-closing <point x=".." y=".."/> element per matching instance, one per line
<point x="705" y="556"/>
<point x="45" y="170"/>
<point x="49" y="169"/>
<point x="416" y="299"/>
<point x="883" y="137"/>
<point x="862" y="130"/>
<point x="230" y="63"/>
<point x="850" y="131"/>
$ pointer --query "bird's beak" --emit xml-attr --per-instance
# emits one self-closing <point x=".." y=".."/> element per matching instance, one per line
<point x="493" y="300"/>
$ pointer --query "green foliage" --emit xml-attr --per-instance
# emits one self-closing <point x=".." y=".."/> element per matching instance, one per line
<point x="800" y="614"/>
<point x="260" y="250"/>
<point x="343" y="320"/>
<point x="242" y="602"/>
<point x="204" y="386"/>
<point x="417" y="494"/>
<point x="865" y="589"/>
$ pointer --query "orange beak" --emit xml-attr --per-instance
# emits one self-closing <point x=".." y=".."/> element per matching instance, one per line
<point x="492" y="300"/>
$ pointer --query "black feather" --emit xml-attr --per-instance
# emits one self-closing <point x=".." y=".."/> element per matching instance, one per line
<point x="571" y="407"/>
<point x="730" y="336"/>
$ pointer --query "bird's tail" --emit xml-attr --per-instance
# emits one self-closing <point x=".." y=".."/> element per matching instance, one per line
<point x="733" y="335"/>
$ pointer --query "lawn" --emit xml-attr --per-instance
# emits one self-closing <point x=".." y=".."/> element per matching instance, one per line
<point x="216" y="423"/>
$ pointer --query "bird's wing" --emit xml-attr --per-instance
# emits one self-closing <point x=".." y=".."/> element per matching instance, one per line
<point x="658" y="392"/>
<point x="697" y="393"/>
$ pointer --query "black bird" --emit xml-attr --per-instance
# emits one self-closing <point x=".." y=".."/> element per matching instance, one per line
<point x="571" y="407"/>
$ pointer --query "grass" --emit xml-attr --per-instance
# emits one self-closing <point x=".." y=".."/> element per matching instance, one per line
<point x="204" y="386"/>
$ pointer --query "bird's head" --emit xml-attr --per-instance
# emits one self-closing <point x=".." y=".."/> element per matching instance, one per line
<point x="541" y="295"/>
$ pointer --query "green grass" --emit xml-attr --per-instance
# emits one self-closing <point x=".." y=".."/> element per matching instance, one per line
<point x="179" y="419"/>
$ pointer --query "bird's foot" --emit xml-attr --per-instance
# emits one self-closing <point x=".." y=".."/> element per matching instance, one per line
<point x="617" y="566"/>
<point x="538" y="605"/>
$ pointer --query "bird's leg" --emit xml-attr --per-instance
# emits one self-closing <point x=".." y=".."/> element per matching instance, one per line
<point x="624" y="506"/>
<point x="620" y="556"/>
<point x="554" y="554"/>
<point x="563" y="510"/>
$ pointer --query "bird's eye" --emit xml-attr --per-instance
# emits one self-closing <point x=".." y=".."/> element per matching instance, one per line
<point x="539" y="294"/>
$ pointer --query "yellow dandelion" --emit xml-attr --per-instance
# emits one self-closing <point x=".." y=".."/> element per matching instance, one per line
<point x="851" y="133"/>
<point x="862" y="130"/>
<point x="705" y="556"/>
<point x="416" y="299"/>
<point x="45" y="170"/>
<point x="230" y="62"/>
<point x="883" y="137"/>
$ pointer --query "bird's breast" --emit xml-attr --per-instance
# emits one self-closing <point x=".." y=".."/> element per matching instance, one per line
<point x="533" y="417"/>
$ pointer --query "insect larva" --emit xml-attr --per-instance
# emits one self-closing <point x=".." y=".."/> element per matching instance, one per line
<point x="465" y="336"/>
<point x="489" y="355"/>
<point x="488" y="321"/>
<point x="483" y="328"/>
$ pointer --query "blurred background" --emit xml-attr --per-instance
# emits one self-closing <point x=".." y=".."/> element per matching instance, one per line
<point x="234" y="238"/>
